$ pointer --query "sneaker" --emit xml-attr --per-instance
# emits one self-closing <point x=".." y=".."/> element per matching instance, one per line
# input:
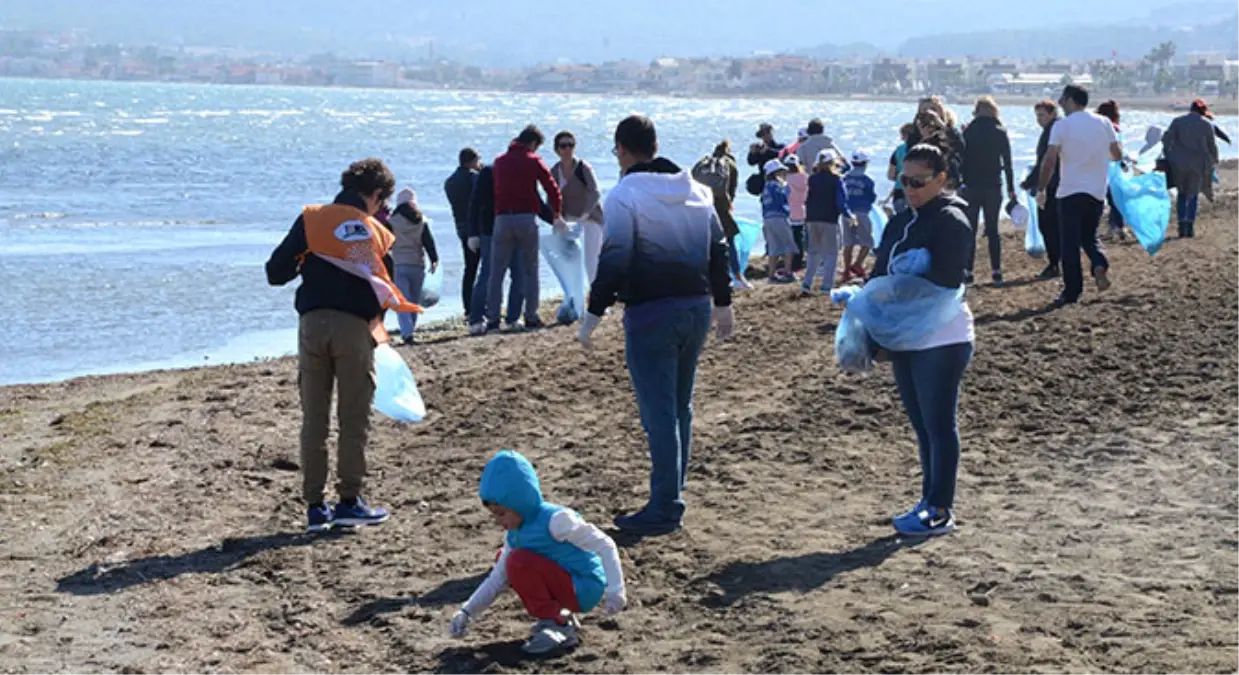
<point x="910" y="512"/>
<point x="806" y="291"/>
<point x="513" y="327"/>
<point x="1102" y="276"/>
<point x="357" y="513"/>
<point x="645" y="524"/>
<point x="926" y="522"/>
<point x="1062" y="301"/>
<point x="478" y="328"/>
<point x="997" y="278"/>
<point x="1050" y="272"/>
<point x="535" y="324"/>
<point x="319" y="518"/>
<point x="743" y="284"/>
<point x="550" y="636"/>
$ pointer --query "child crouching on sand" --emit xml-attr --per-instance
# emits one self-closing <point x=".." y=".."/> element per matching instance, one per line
<point x="558" y="564"/>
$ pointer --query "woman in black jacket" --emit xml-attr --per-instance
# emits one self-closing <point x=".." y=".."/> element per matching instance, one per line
<point x="929" y="377"/>
<point x="1047" y="218"/>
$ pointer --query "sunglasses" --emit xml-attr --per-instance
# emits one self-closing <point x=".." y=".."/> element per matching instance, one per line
<point x="566" y="146"/>
<point x="914" y="182"/>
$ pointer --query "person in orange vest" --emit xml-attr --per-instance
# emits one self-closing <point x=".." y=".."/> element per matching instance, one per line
<point x="342" y="254"/>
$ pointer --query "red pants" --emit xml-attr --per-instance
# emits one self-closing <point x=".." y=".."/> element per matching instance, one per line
<point x="543" y="586"/>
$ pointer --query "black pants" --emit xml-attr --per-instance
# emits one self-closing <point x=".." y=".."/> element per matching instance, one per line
<point x="472" y="259"/>
<point x="1079" y="216"/>
<point x="1047" y="222"/>
<point x="798" y="258"/>
<point x="987" y="201"/>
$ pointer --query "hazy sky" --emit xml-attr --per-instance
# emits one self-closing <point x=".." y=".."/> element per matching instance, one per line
<point x="522" y="31"/>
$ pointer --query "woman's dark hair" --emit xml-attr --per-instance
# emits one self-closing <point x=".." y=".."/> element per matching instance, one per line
<point x="723" y="149"/>
<point x="468" y="156"/>
<point x="636" y="135"/>
<point x="562" y="135"/>
<point x="906" y="131"/>
<point x="928" y="155"/>
<point x="530" y="136"/>
<point x="369" y="176"/>
<point x="1109" y="110"/>
<point x="1050" y="107"/>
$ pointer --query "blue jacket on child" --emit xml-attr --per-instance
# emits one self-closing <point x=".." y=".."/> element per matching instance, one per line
<point x="774" y="203"/>
<point x="861" y="193"/>
<point x="509" y="480"/>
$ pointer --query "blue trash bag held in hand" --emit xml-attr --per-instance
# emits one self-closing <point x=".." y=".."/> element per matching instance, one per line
<point x="395" y="393"/>
<point x="1034" y="243"/>
<point x="852" y="345"/>
<point x="745" y="241"/>
<point x="432" y="289"/>
<point x="563" y="253"/>
<point x="877" y="220"/>
<point x="1145" y="205"/>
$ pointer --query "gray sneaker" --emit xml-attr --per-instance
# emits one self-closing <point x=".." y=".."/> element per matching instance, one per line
<point x="549" y="636"/>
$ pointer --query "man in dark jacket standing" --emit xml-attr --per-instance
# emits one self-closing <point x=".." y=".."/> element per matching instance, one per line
<point x="459" y="189"/>
<point x="987" y="158"/>
<point x="1047" y="217"/>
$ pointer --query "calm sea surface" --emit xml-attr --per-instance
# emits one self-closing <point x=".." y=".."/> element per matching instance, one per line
<point x="135" y="218"/>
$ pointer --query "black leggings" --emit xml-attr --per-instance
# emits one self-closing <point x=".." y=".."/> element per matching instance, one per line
<point x="472" y="259"/>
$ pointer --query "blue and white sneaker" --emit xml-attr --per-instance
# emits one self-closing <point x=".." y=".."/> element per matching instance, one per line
<point x="925" y="522"/>
<point x="919" y="505"/>
<point x="319" y="517"/>
<point x="358" y="513"/>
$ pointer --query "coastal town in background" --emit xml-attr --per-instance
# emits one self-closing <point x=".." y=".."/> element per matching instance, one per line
<point x="1167" y="70"/>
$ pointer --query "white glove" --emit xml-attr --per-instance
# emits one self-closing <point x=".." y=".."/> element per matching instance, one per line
<point x="614" y="603"/>
<point x="460" y="624"/>
<point x="475" y="244"/>
<point x="560" y="225"/>
<point x="1041" y="199"/>
<point x="588" y="324"/>
<point x="724" y="322"/>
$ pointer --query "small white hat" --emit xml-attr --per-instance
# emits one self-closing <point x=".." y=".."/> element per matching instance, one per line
<point x="860" y="157"/>
<point x="802" y="133"/>
<point x="791" y="160"/>
<point x="827" y="156"/>
<point x="406" y="195"/>
<point x="773" y="166"/>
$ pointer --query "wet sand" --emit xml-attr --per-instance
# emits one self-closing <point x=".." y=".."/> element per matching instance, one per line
<point x="151" y="521"/>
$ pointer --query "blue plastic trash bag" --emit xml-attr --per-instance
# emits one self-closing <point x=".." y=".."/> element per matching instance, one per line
<point x="431" y="289"/>
<point x="895" y="312"/>
<point x="1145" y="205"/>
<point x="877" y="219"/>
<point x="745" y="241"/>
<point x="395" y="393"/>
<point x="1034" y="243"/>
<point x="563" y="253"/>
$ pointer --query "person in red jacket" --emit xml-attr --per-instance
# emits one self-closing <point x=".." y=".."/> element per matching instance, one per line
<point x="517" y="174"/>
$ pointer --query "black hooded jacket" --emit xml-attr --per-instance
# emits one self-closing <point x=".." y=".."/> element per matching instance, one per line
<point x="940" y="227"/>
<point x="987" y="155"/>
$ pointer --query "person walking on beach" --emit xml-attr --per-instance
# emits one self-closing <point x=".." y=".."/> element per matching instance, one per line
<point x="664" y="256"/>
<point x="517" y="175"/>
<point x="987" y="160"/>
<point x="719" y="172"/>
<point x="1081" y="147"/>
<point x="776" y="228"/>
<point x="1110" y="110"/>
<point x="1047" y="216"/>
<point x="1190" y="144"/>
<point x="459" y="190"/>
<point x="414" y="245"/>
<point x="928" y="377"/>
<point x="342" y="255"/>
<point x="826" y="209"/>
<point x="481" y="234"/>
<point x="858" y="232"/>
<point x="582" y="198"/>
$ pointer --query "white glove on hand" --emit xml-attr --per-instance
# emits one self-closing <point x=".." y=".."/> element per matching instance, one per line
<point x="560" y="225"/>
<point x="1041" y="199"/>
<point x="724" y="322"/>
<point x="460" y="624"/>
<point x="588" y="324"/>
<point x="614" y="603"/>
<point x="475" y="244"/>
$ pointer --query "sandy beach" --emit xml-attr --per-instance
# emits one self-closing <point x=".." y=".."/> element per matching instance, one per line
<point x="152" y="521"/>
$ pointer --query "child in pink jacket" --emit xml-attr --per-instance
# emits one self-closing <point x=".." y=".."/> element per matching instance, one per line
<point x="797" y="195"/>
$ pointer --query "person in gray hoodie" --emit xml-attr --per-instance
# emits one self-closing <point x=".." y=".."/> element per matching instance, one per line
<point x="414" y="244"/>
<point x="582" y="200"/>
<point x="816" y="142"/>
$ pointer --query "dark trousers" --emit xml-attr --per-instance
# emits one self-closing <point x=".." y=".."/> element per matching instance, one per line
<point x="472" y="259"/>
<point x="1047" y="222"/>
<point x="928" y="382"/>
<point x="798" y="259"/>
<point x="1079" y="216"/>
<point x="985" y="201"/>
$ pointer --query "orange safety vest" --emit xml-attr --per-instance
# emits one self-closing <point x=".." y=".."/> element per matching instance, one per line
<point x="350" y="239"/>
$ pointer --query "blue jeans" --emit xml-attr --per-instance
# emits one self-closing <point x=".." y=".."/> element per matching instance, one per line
<point x="662" y="360"/>
<point x="477" y="305"/>
<point x="733" y="259"/>
<point x="928" y="383"/>
<point x="1187" y="206"/>
<point x="409" y="279"/>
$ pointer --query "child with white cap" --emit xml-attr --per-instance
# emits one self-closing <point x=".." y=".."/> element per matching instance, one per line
<point x="797" y="193"/>
<point x="775" y="211"/>
<point x="825" y="209"/>
<point x="859" y="233"/>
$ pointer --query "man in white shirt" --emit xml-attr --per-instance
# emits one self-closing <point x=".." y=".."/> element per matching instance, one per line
<point x="1084" y="143"/>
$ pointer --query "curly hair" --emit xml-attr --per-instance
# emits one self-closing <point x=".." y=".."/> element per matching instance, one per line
<point x="369" y="176"/>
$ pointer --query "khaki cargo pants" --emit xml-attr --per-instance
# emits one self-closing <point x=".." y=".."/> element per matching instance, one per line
<point x="334" y="349"/>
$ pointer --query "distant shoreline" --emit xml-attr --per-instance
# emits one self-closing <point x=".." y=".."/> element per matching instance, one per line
<point x="1162" y="104"/>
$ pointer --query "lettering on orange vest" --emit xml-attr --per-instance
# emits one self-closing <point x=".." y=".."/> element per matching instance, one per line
<point x="355" y="242"/>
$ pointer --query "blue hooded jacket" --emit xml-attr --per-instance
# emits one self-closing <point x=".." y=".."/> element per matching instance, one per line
<point x="510" y="481"/>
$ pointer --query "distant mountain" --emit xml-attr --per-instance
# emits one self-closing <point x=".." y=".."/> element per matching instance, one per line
<point x="855" y="50"/>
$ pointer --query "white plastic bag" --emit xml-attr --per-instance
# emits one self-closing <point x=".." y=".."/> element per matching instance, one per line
<point x="1034" y="244"/>
<point x="396" y="392"/>
<point x="432" y="288"/>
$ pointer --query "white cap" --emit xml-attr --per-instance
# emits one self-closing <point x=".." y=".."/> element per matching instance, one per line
<point x="406" y="195"/>
<point x="791" y="160"/>
<point x="860" y="157"/>
<point x="773" y="166"/>
<point x="802" y="133"/>
<point x="827" y="156"/>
